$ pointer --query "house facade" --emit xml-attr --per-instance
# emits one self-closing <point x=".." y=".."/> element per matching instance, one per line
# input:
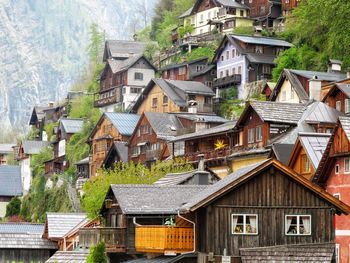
<point x="243" y="59"/>
<point x="338" y="97"/>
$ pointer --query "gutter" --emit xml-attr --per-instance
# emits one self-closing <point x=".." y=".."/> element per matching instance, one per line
<point x="194" y="233"/>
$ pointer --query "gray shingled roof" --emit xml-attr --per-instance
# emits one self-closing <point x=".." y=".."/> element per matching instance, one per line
<point x="59" y="224"/>
<point x="72" y="125"/>
<point x="312" y="253"/>
<point x="202" y="117"/>
<point x="226" y="127"/>
<point x="282" y="151"/>
<point x="178" y="178"/>
<point x="261" y="58"/>
<point x="34" y="147"/>
<point x="204" y="70"/>
<point x="10" y="180"/>
<point x="314" y="145"/>
<point x="327" y="76"/>
<point x="232" y="3"/>
<point x="151" y="199"/>
<point x="162" y="259"/>
<point x="69" y="257"/>
<point x="125" y="123"/>
<point x="345" y="123"/>
<point x="6" y="148"/>
<point x="262" y="40"/>
<point x="186" y="13"/>
<point x="165" y="125"/>
<point x="25" y="241"/>
<point x="210" y="190"/>
<point x="185" y="63"/>
<point x="121" y="65"/>
<point x="122" y="149"/>
<point x="191" y="87"/>
<point x="279" y="112"/>
<point x="125" y="48"/>
<point x="345" y="88"/>
<point x="22" y="228"/>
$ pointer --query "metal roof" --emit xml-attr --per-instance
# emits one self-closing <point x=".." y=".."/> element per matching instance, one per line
<point x="72" y="125"/>
<point x="125" y="123"/>
<point x="69" y="257"/>
<point x="191" y="87"/>
<point x="34" y="147"/>
<point x="262" y="40"/>
<point x="186" y="13"/>
<point x="261" y="58"/>
<point x="152" y="199"/>
<point x="25" y="241"/>
<point x="345" y="123"/>
<point x="22" y="228"/>
<point x="58" y="224"/>
<point x="178" y="178"/>
<point x="6" y="148"/>
<point x="320" y="112"/>
<point x="345" y="88"/>
<point x="202" y="117"/>
<point x="165" y="125"/>
<point x="327" y="76"/>
<point x="282" y="151"/>
<point x="314" y="145"/>
<point x="10" y="180"/>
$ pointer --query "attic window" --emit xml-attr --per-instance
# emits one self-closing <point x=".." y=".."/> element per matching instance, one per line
<point x="305" y="163"/>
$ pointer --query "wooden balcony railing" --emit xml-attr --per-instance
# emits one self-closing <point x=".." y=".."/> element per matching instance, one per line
<point x="163" y="239"/>
<point x="214" y="154"/>
<point x="226" y="81"/>
<point x="113" y="237"/>
<point x="105" y="101"/>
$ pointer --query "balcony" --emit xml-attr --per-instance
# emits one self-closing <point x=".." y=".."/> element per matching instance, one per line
<point x="152" y="155"/>
<point x="164" y="239"/>
<point x="105" y="101"/>
<point x="113" y="237"/>
<point x="212" y="155"/>
<point x="227" y="81"/>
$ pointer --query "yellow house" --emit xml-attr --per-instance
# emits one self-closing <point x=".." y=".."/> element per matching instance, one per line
<point x="167" y="96"/>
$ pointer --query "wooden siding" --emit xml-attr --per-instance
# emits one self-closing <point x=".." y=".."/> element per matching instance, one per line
<point x="338" y="95"/>
<point x="258" y="7"/>
<point x="297" y="162"/>
<point x="340" y="144"/>
<point x="25" y="255"/>
<point x="252" y="122"/>
<point x="206" y="5"/>
<point x="271" y="195"/>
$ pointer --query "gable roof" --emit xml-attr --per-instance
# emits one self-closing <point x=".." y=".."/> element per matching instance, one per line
<point x="319" y="112"/>
<point x="122" y="65"/>
<point x="165" y="125"/>
<point x="314" y="145"/>
<point x="152" y="199"/>
<point x="268" y="41"/>
<point x="241" y="176"/>
<point x="345" y="123"/>
<point x="59" y="224"/>
<point x="344" y="88"/>
<point x="282" y="151"/>
<point x="186" y="13"/>
<point x="176" y="90"/>
<point x="204" y="70"/>
<point x="20" y="227"/>
<point x="10" y="180"/>
<point x="180" y="178"/>
<point x="277" y="112"/>
<point x="37" y="114"/>
<point x="72" y="125"/>
<point x="34" y="147"/>
<point x="223" y="3"/>
<point x="121" y="149"/>
<point x="261" y="58"/>
<point x="83" y="161"/>
<point x="25" y="241"/>
<point x="122" y="48"/>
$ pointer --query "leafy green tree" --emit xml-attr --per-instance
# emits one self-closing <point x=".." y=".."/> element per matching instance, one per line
<point x="125" y="173"/>
<point x="244" y="30"/>
<point x="38" y="160"/>
<point x="13" y="207"/>
<point x="207" y="51"/>
<point x="97" y="254"/>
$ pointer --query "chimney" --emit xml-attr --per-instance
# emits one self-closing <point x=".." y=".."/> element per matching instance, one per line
<point x="200" y="162"/>
<point x="315" y="88"/>
<point x="192" y="106"/>
<point x="334" y="65"/>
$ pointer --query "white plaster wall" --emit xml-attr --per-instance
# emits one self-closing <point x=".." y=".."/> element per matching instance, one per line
<point x="3" y="208"/>
<point x="287" y="89"/>
<point x="148" y="74"/>
<point x="26" y="175"/>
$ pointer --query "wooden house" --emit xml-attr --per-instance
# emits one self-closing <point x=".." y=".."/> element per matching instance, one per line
<point x="22" y="242"/>
<point x="338" y="97"/>
<point x="307" y="153"/>
<point x="219" y="15"/>
<point x="333" y="175"/>
<point x="300" y="86"/>
<point x="64" y="131"/>
<point x="118" y="152"/>
<point x="23" y="154"/>
<point x="37" y="121"/>
<point x="122" y="49"/>
<point x="5" y="151"/>
<point x="163" y="95"/>
<point x="55" y="113"/>
<point x="122" y="81"/>
<point x="10" y="185"/>
<point x="111" y="127"/>
<point x="288" y="6"/>
<point x="266" y="13"/>
<point x="83" y="168"/>
<point x="281" y="152"/>
<point x="243" y="59"/>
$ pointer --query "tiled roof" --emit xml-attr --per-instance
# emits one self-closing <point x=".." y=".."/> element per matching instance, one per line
<point x="22" y="228"/>
<point x="72" y="125"/>
<point x="59" y="224"/>
<point x="279" y="112"/>
<point x="34" y="147"/>
<point x="345" y="123"/>
<point x="151" y="199"/>
<point x="6" y="148"/>
<point x="69" y="257"/>
<point x="204" y="70"/>
<point x="261" y="40"/>
<point x="25" y="241"/>
<point x="226" y="127"/>
<point x="125" y="123"/>
<point x="314" y="145"/>
<point x="124" y="48"/>
<point x="165" y="125"/>
<point x="10" y="180"/>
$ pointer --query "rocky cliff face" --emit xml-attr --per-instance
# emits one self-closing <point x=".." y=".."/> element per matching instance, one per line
<point x="43" y="48"/>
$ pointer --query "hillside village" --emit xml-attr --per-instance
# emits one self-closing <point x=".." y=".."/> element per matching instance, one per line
<point x="172" y="157"/>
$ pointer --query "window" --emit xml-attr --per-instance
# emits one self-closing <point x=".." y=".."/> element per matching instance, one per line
<point x="329" y="130"/>
<point x="237" y="53"/>
<point x="154" y="103"/>
<point x="138" y="76"/>
<point x="135" y="151"/>
<point x="221" y="74"/>
<point x="337" y="195"/>
<point x="258" y="134"/>
<point x="338" y="105"/>
<point x="233" y="71"/>
<point x="336" y="169"/>
<point x="259" y="49"/>
<point x="207" y="100"/>
<point x="251" y="135"/>
<point x="182" y="70"/>
<point x="227" y="55"/>
<point x="209" y="83"/>
<point x="239" y="70"/>
<point x="244" y="224"/>
<point x="222" y="58"/>
<point x="144" y="129"/>
<point x="298" y="225"/>
<point x="233" y="53"/>
<point x="305" y="164"/>
<point x="347" y="165"/>
<point x="292" y="93"/>
<point x="266" y="69"/>
<point x="165" y="100"/>
<point x="242" y="13"/>
<point x="227" y="73"/>
<point x="347" y="105"/>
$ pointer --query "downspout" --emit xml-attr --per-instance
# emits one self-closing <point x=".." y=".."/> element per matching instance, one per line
<point x="194" y="233"/>
<point x="134" y="221"/>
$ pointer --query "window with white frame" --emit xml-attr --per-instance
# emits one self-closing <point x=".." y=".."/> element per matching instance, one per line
<point x="337" y="195"/>
<point x="135" y="151"/>
<point x="251" y="135"/>
<point x="258" y="134"/>
<point x="347" y="105"/>
<point x="244" y="224"/>
<point x="182" y="70"/>
<point x="336" y="169"/>
<point x="338" y="105"/>
<point x="298" y="225"/>
<point x="347" y="165"/>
